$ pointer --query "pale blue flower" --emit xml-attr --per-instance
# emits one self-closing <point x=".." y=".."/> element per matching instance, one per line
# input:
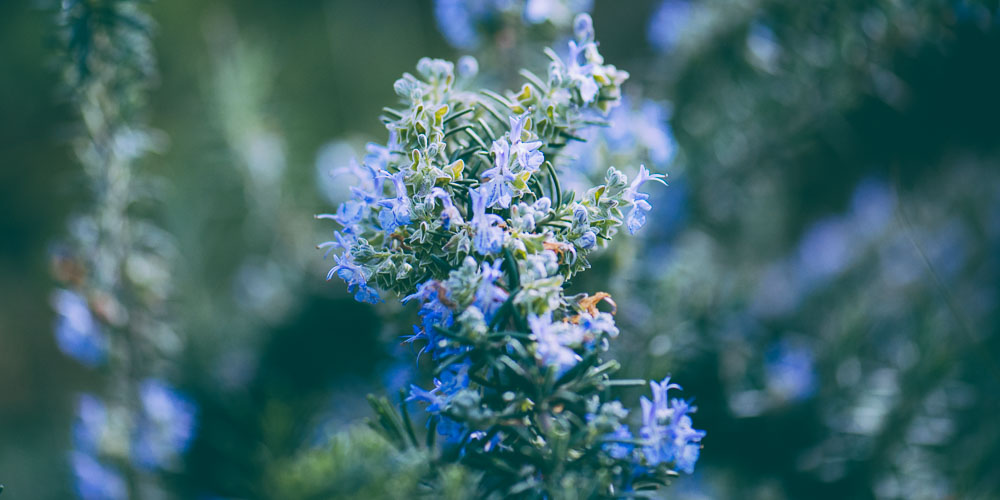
<point x="826" y="250"/>
<point x="872" y="206"/>
<point x="354" y="275"/>
<point x="640" y="206"/>
<point x="489" y="237"/>
<point x="378" y="155"/>
<point x="449" y="213"/>
<point x="582" y="75"/>
<point x="364" y="196"/>
<point x="511" y="156"/>
<point x="602" y="322"/>
<point x="668" y="429"/>
<point x="498" y="187"/>
<point x="647" y="127"/>
<point x="395" y="211"/>
<point x="527" y="154"/>
<point x="551" y="342"/>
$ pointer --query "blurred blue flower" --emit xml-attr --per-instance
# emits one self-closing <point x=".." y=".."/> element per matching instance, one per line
<point x="789" y="370"/>
<point x="452" y="380"/>
<point x="90" y="424"/>
<point x="825" y="251"/>
<point x="166" y="425"/>
<point x="616" y="449"/>
<point x="78" y="334"/>
<point x="647" y="127"/>
<point x="667" y="24"/>
<point x="872" y="206"/>
<point x="458" y="20"/>
<point x="366" y="194"/>
<point x="96" y="481"/>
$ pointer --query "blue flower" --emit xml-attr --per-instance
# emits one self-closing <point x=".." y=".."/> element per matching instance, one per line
<point x="395" y="211"/>
<point x="497" y="186"/>
<point x="452" y="380"/>
<point x="582" y="75"/>
<point x="166" y="427"/>
<point x="489" y="296"/>
<point x="527" y="154"/>
<point x="371" y="176"/>
<point x="668" y="430"/>
<point x="619" y="450"/>
<point x="77" y="332"/>
<point x="354" y="275"/>
<point x="489" y="237"/>
<point x="640" y="206"/>
<point x="449" y="213"/>
<point x="449" y="429"/>
<point x="96" y="481"/>
<point x="602" y="322"/>
<point x="435" y="313"/>
<point x="551" y="342"/>
<point x="511" y="156"/>
<point x="378" y="155"/>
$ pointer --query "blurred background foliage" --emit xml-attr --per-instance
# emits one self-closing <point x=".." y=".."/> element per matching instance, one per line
<point x="822" y="275"/>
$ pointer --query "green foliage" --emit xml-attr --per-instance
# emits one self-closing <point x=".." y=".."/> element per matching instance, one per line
<point x="357" y="462"/>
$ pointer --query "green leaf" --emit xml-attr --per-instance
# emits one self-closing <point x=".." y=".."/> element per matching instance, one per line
<point x="498" y="98"/>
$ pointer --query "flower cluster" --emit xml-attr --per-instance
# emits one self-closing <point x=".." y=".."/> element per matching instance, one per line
<point x="462" y="211"/>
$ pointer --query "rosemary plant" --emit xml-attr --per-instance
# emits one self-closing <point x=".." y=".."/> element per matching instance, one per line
<point x="114" y="270"/>
<point x="462" y="211"/>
